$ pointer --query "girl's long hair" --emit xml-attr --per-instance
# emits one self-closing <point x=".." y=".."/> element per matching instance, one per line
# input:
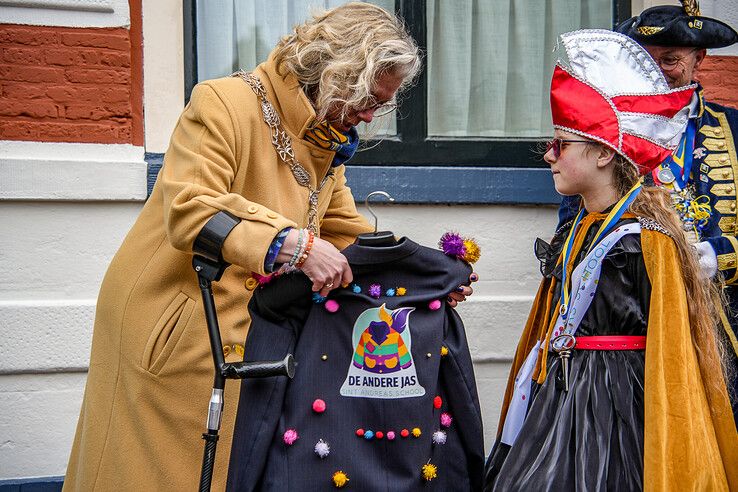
<point x="706" y="300"/>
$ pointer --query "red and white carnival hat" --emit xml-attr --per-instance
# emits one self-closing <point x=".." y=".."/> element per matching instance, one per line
<point x="612" y="91"/>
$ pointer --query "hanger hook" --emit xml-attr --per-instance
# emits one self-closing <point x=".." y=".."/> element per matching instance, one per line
<point x="366" y="202"/>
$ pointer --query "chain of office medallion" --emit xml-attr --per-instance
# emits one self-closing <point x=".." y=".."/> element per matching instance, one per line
<point x="282" y="142"/>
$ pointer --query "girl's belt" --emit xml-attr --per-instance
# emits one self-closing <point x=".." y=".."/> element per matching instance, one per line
<point x="611" y="342"/>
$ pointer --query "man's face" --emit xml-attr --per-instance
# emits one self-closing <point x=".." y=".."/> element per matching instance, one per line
<point x="678" y="63"/>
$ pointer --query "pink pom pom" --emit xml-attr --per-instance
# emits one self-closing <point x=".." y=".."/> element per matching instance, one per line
<point x="391" y="435"/>
<point x="290" y="436"/>
<point x="434" y="305"/>
<point x="263" y="280"/>
<point x="446" y="419"/>
<point x="318" y="406"/>
<point x="331" y="306"/>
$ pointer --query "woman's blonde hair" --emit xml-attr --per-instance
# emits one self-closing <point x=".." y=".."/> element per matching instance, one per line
<point x="339" y="54"/>
<point x="705" y="297"/>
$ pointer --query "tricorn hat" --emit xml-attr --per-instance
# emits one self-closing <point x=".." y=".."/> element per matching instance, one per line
<point x="670" y="25"/>
<point x="610" y="90"/>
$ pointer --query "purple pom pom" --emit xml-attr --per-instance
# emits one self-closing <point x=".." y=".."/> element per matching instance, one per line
<point x="375" y="290"/>
<point x="452" y="244"/>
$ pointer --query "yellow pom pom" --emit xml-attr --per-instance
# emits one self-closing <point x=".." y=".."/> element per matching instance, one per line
<point x="251" y="283"/>
<point x="401" y="291"/>
<point x="430" y="471"/>
<point x="340" y="479"/>
<point x="444" y="351"/>
<point x="473" y="252"/>
<point x="416" y="432"/>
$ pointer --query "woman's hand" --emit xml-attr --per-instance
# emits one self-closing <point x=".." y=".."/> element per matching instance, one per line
<point x="462" y="291"/>
<point x="326" y="267"/>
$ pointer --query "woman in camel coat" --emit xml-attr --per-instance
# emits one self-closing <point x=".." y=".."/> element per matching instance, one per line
<point x="151" y="370"/>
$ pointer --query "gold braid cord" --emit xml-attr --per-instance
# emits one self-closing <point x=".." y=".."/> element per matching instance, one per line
<point x="283" y="144"/>
<point x="648" y="30"/>
<point x="691" y="7"/>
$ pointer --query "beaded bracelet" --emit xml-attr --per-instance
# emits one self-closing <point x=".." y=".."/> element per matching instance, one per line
<point x="298" y="248"/>
<point x="308" y="247"/>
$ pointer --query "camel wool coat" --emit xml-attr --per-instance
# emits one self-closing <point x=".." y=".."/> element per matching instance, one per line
<point x="151" y="371"/>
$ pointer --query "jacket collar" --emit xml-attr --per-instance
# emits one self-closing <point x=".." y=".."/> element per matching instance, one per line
<point x="288" y="98"/>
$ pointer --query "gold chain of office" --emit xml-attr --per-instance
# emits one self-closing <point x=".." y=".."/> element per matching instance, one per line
<point x="282" y="142"/>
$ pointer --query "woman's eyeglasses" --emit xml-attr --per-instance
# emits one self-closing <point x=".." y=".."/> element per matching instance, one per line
<point x="381" y="109"/>
<point x="556" y="145"/>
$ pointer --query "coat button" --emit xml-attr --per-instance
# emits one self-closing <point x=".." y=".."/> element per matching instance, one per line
<point x="252" y="209"/>
<point x="272" y="215"/>
<point x="732" y="207"/>
<point x="726" y="174"/>
<point x="721" y="145"/>
<point x="723" y="159"/>
<point x="718" y="131"/>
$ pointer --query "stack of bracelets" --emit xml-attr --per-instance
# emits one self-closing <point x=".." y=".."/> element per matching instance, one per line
<point x="305" y="240"/>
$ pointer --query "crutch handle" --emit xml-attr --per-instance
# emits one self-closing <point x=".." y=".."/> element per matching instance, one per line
<point x="260" y="369"/>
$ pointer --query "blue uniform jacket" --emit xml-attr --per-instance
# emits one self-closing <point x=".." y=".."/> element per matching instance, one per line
<point x="381" y="363"/>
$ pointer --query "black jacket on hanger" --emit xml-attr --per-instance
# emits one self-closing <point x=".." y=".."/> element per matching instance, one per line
<point x="380" y="364"/>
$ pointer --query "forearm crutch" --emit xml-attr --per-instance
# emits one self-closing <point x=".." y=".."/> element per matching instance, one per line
<point x="209" y="265"/>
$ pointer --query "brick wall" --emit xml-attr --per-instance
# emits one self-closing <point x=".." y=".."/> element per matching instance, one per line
<point x="719" y="76"/>
<point x="61" y="84"/>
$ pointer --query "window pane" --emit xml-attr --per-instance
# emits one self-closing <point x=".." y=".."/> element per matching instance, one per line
<point x="238" y="34"/>
<point x="490" y="62"/>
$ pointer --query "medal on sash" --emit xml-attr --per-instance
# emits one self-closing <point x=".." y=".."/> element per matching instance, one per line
<point x="675" y="170"/>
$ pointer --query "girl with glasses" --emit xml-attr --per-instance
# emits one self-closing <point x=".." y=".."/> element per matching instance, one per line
<point x="617" y="382"/>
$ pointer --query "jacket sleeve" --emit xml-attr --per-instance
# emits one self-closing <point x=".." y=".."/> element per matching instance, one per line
<point x="726" y="249"/>
<point x="342" y="222"/>
<point x="690" y="439"/>
<point x="196" y="179"/>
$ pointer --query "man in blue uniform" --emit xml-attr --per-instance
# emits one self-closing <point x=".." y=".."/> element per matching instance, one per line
<point x="702" y="176"/>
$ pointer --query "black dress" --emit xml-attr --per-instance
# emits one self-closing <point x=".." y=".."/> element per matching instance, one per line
<point x="591" y="437"/>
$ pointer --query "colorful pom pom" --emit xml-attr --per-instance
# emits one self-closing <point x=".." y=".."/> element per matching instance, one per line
<point x="390" y="292"/>
<point x="360" y="432"/>
<point x="368" y="435"/>
<point x="379" y="435"/>
<point x="318" y="406"/>
<point x="430" y="471"/>
<point x="416" y="432"/>
<point x="401" y="291"/>
<point x="439" y="437"/>
<point x="356" y="288"/>
<point x="473" y="251"/>
<point x="375" y="290"/>
<point x="263" y="279"/>
<point x="434" y="305"/>
<point x="332" y="306"/>
<point x="446" y="419"/>
<point x="437" y="402"/>
<point x="452" y="244"/>
<point x="290" y="436"/>
<point x="340" y="479"/>
<point x="390" y="435"/>
<point x="444" y="351"/>
<point x="317" y="298"/>
<point x="322" y="448"/>
<point x="404" y="432"/>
